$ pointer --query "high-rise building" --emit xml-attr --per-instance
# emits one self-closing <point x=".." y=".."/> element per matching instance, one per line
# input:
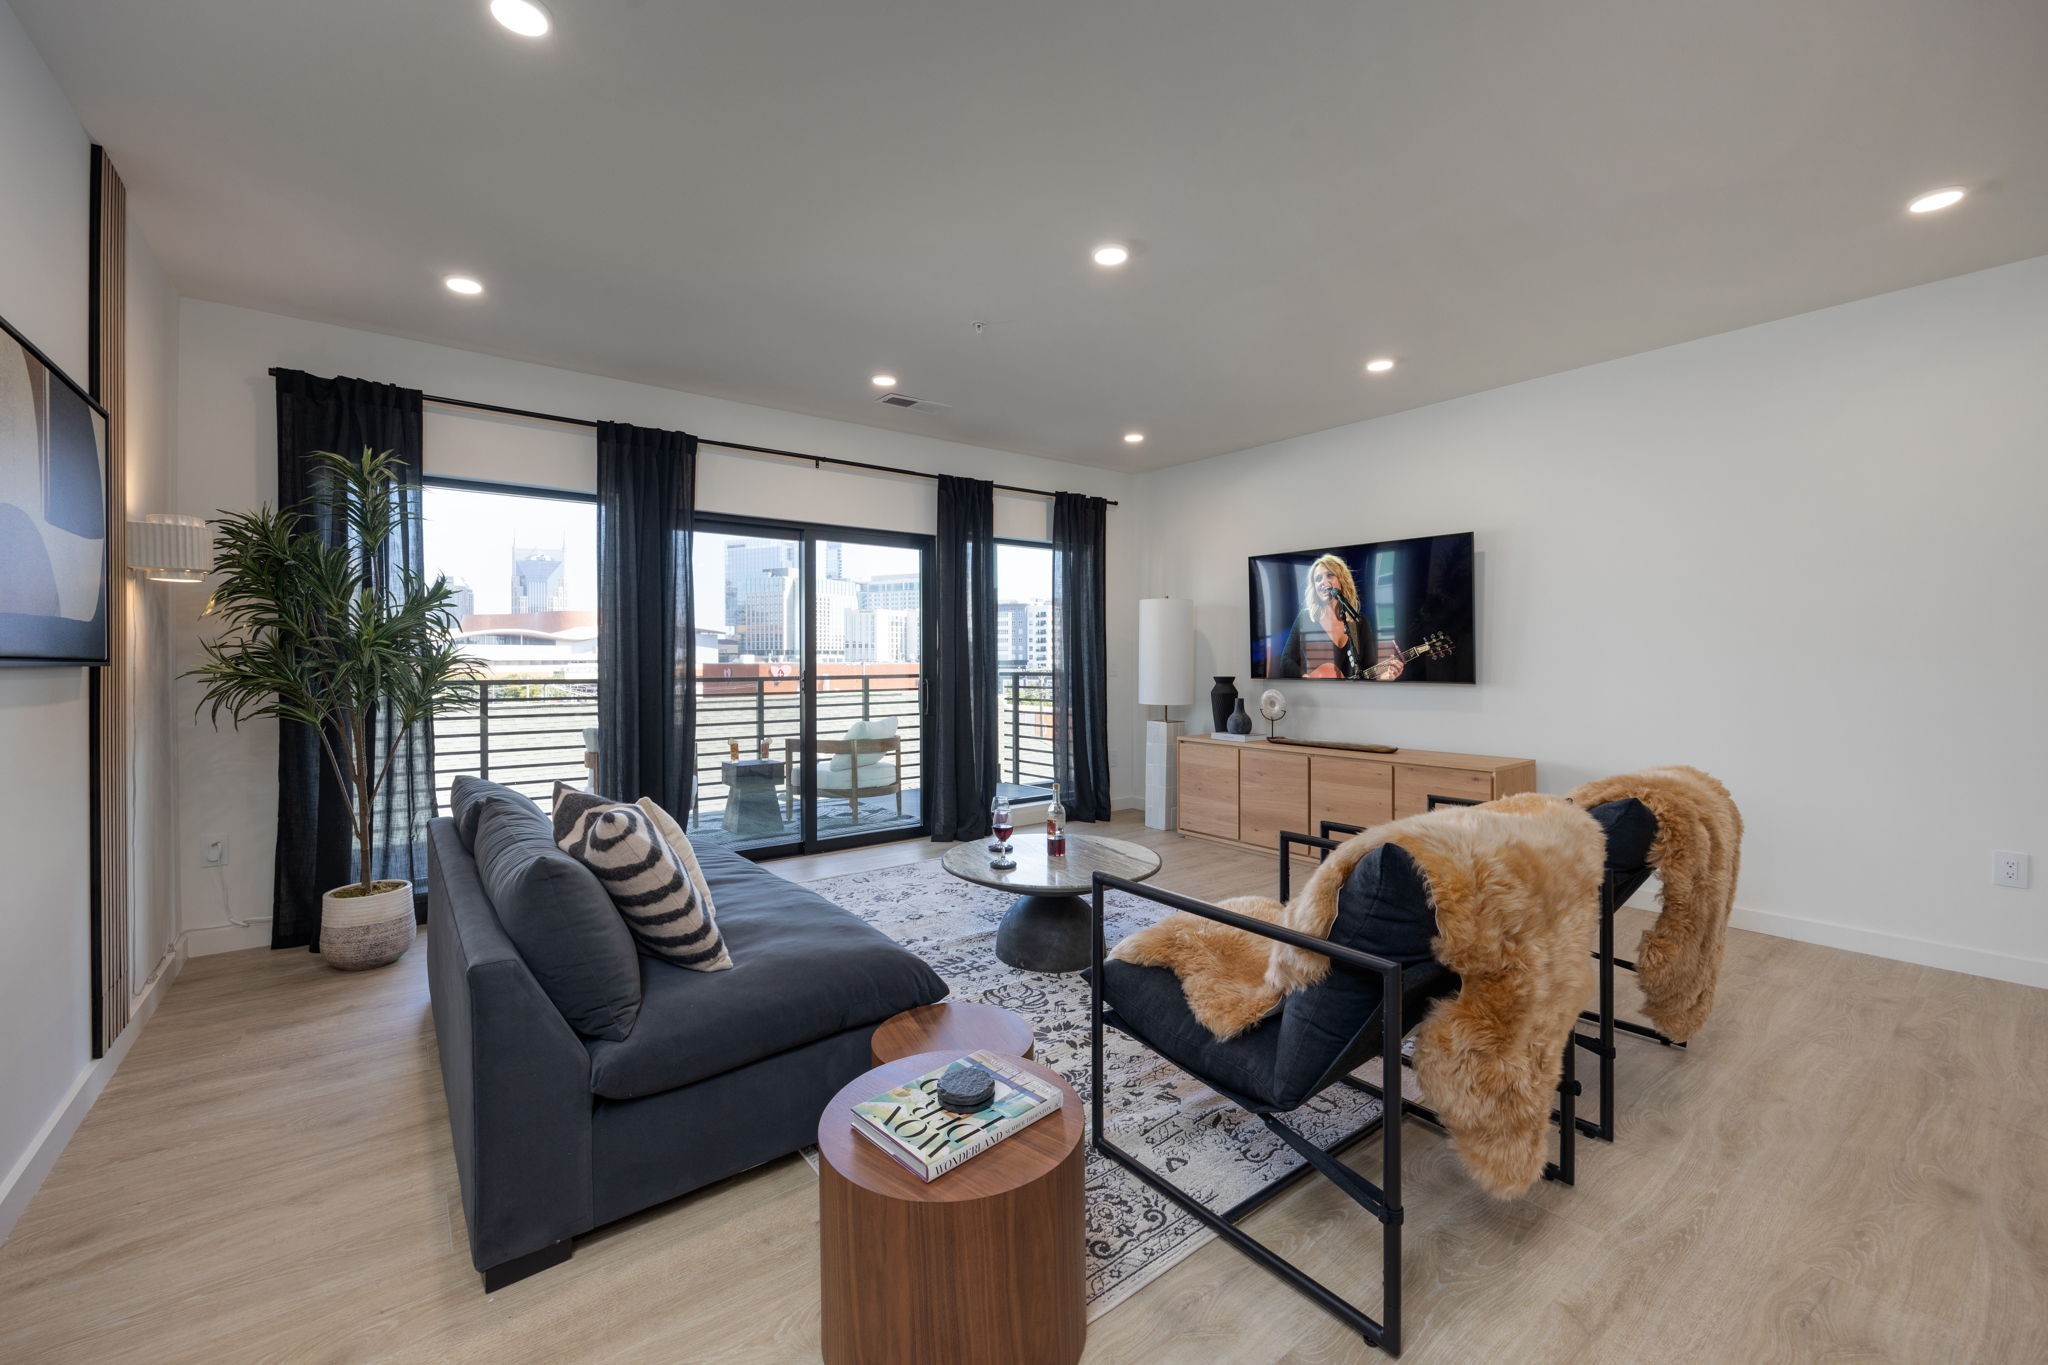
<point x="1013" y="624"/>
<point x="763" y="612"/>
<point x="537" y="580"/>
<point x="1024" y="636"/>
<point x="893" y="592"/>
<point x="837" y="601"/>
<point x="884" y="637"/>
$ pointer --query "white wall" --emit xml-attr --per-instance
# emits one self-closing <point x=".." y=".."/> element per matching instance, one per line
<point x="227" y="459"/>
<point x="1807" y="556"/>
<point x="45" y="930"/>
<point x="46" y="1072"/>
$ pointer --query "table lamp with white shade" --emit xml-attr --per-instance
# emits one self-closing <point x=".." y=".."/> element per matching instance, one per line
<point x="1166" y="677"/>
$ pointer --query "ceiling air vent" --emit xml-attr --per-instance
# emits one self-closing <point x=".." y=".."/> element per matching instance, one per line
<point x="904" y="400"/>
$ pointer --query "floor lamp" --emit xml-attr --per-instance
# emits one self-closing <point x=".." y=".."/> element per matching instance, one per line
<point x="1166" y="677"/>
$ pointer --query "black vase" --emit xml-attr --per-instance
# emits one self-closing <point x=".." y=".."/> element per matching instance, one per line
<point x="1240" y="723"/>
<point x="1221" y="698"/>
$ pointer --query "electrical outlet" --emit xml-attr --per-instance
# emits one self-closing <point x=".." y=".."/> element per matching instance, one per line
<point x="213" y="851"/>
<point x="2011" y="869"/>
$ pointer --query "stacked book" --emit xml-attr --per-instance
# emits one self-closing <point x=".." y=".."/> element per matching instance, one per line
<point x="929" y="1139"/>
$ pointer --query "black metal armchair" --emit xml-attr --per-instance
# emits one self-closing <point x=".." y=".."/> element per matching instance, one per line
<point x="1616" y="886"/>
<point x="1360" y="1011"/>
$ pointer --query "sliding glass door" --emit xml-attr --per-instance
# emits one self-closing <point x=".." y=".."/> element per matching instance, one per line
<point x="810" y="695"/>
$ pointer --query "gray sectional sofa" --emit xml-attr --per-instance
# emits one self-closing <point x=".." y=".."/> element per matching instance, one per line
<point x="557" y="1132"/>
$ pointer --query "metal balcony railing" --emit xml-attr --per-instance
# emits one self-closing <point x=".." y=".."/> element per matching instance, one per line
<point x="527" y="732"/>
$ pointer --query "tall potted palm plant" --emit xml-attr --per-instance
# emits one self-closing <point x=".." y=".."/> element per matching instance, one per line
<point x="333" y="637"/>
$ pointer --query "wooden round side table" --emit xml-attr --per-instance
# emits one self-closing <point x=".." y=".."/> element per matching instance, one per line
<point x="962" y="1026"/>
<point x="983" y="1266"/>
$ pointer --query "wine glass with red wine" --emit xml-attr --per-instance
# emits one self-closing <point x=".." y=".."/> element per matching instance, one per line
<point x="1001" y="824"/>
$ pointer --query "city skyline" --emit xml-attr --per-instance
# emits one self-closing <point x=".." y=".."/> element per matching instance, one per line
<point x="511" y="553"/>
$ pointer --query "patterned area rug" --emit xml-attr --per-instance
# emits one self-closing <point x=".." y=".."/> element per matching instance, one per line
<point x="1155" y="1111"/>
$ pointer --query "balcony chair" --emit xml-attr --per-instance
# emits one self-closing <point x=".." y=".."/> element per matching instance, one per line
<point x="863" y="762"/>
<point x="1382" y="979"/>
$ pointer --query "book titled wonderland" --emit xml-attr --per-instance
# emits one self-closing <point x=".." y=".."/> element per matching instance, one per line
<point x="912" y="1126"/>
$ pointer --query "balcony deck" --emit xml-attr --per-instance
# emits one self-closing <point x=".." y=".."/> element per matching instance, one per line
<point x="528" y="733"/>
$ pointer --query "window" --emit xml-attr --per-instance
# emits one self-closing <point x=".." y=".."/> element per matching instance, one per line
<point x="1026" y="656"/>
<point x="524" y="566"/>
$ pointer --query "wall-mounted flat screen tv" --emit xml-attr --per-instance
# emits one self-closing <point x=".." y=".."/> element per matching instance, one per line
<point x="1389" y="611"/>
<point x="53" y="512"/>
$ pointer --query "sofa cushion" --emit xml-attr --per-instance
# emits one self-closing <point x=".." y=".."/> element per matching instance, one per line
<point x="564" y="925"/>
<point x="803" y="969"/>
<point x="465" y="802"/>
<point x="1631" y="827"/>
<point x="642" y="875"/>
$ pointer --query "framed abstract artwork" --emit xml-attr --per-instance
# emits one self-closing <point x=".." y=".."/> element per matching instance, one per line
<point x="53" y="512"/>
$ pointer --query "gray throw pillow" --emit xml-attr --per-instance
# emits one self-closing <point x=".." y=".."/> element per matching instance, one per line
<point x="558" y="917"/>
<point x="646" y="879"/>
<point x="466" y="801"/>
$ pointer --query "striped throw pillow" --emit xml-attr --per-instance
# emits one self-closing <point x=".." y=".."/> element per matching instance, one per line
<point x="645" y="878"/>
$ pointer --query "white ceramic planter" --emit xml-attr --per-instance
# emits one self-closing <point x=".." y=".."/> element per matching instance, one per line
<point x="366" y="931"/>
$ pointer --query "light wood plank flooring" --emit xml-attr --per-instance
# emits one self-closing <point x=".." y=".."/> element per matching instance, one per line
<point x="1850" y="1164"/>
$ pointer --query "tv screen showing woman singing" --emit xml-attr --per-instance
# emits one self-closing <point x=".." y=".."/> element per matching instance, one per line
<point x="1391" y="611"/>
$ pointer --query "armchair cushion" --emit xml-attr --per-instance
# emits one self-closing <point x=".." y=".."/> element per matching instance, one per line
<point x="1251" y="1068"/>
<point x="1631" y="828"/>
<point x="884" y="728"/>
<point x="1383" y="908"/>
<point x="840" y="781"/>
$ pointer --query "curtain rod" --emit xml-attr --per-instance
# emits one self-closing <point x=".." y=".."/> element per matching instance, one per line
<point x="722" y="445"/>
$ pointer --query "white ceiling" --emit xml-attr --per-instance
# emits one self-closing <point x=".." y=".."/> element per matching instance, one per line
<point x="770" y="200"/>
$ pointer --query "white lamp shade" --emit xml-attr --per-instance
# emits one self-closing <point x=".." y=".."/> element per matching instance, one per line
<point x="173" y="548"/>
<point x="1166" y="651"/>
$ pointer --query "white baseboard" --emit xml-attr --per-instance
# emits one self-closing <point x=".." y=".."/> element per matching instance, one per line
<point x="204" y="940"/>
<point x="2025" y="971"/>
<point x="21" y="1183"/>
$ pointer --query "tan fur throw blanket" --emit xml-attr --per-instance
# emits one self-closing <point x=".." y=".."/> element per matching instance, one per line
<point x="1698" y="856"/>
<point x="1516" y="889"/>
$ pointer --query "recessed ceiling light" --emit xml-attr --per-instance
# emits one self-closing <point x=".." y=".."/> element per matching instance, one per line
<point x="1934" y="201"/>
<point x="463" y="284"/>
<point x="1109" y="253"/>
<point x="524" y="17"/>
<point x="884" y="381"/>
<point x="1134" y="438"/>
<point x="1379" y="365"/>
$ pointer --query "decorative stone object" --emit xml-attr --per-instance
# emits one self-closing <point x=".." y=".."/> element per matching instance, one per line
<point x="968" y="1090"/>
<point x="358" y="932"/>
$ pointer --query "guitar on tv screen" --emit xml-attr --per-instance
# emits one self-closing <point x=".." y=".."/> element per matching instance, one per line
<point x="1389" y="611"/>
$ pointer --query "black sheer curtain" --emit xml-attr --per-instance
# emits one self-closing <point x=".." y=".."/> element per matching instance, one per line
<point x="315" y="845"/>
<point x="1081" y="676"/>
<point x="646" y="705"/>
<point x="960" y="745"/>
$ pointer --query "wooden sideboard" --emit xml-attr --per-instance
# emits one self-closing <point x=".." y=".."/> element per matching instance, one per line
<point x="1247" y="793"/>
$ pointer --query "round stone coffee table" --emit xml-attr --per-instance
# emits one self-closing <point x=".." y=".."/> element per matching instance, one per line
<point x="1047" y="927"/>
